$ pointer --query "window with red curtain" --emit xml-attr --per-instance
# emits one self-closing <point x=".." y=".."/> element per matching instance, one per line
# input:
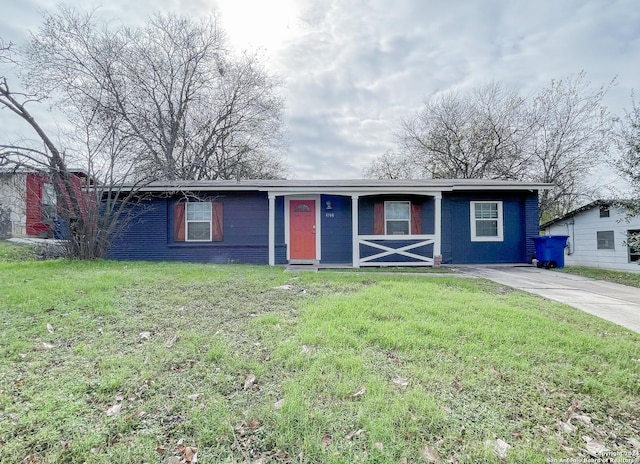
<point x="397" y="218"/>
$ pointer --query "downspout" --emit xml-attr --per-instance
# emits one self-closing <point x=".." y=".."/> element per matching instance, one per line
<point x="570" y="242"/>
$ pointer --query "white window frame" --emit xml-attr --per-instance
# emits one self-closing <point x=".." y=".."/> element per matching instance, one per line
<point x="472" y="216"/>
<point x="187" y="221"/>
<point x="632" y="251"/>
<point x="397" y="220"/>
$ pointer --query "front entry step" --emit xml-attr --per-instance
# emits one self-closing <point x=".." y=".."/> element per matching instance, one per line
<point x="298" y="267"/>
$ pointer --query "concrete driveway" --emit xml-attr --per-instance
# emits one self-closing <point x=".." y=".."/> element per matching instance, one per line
<point x="614" y="302"/>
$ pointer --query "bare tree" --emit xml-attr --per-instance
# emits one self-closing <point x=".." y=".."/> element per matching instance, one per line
<point x="188" y="108"/>
<point x="166" y="101"/>
<point x="557" y="136"/>
<point x="474" y="136"/>
<point x="628" y="162"/>
<point x="392" y="166"/>
<point x="571" y="134"/>
<point x="92" y="205"/>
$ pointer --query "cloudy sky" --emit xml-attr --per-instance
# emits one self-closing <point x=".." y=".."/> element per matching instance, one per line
<point x="353" y="68"/>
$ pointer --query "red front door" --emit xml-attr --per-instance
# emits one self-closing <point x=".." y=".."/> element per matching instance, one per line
<point x="302" y="228"/>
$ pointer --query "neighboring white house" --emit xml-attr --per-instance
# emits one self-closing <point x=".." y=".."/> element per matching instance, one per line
<point x="597" y="236"/>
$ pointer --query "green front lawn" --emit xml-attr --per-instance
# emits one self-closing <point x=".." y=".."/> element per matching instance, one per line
<point x="112" y="362"/>
<point x="10" y="251"/>
<point x="619" y="277"/>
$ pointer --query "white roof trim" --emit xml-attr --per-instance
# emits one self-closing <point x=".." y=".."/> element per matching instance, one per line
<point x="345" y="187"/>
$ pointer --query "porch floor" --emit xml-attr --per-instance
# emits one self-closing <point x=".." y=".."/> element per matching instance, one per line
<point x="315" y="267"/>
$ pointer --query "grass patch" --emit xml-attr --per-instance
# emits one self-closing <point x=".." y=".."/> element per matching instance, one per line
<point x="250" y="363"/>
<point x="619" y="277"/>
<point x="10" y="251"/>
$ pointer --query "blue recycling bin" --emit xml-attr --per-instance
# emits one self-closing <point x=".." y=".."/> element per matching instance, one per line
<point x="60" y="229"/>
<point x="550" y="250"/>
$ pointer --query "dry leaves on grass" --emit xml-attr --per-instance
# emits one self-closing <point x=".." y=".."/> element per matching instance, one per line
<point x="595" y="448"/>
<point x="400" y="382"/>
<point x="573" y="415"/>
<point x="44" y="346"/>
<point x="360" y="392"/>
<point x="431" y="454"/>
<point x="282" y="287"/>
<point x="113" y="410"/>
<point x="354" y="433"/>
<point x="566" y="427"/>
<point x="253" y="424"/>
<point x="249" y="381"/>
<point x="500" y="448"/>
<point x="31" y="459"/>
<point x="575" y="406"/>
<point x="633" y="442"/>
<point x="185" y="454"/>
<point x="308" y="349"/>
<point x="173" y="337"/>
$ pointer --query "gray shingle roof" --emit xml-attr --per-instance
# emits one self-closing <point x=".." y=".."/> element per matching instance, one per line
<point x="343" y="185"/>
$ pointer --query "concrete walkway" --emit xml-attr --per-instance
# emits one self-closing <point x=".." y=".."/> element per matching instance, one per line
<point x="614" y="302"/>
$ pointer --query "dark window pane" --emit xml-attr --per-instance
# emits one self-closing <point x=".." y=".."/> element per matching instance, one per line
<point x="486" y="228"/>
<point x="397" y="210"/>
<point x="198" y="231"/>
<point x="397" y="227"/>
<point x="634" y="251"/>
<point x="198" y="211"/>
<point x="605" y="240"/>
<point x="486" y="210"/>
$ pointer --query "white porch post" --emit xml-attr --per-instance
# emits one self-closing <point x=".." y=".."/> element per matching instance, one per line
<point x="437" y="219"/>
<point x="272" y="230"/>
<point x="354" y="228"/>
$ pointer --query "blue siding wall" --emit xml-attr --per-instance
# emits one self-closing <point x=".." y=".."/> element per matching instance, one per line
<point x="457" y="247"/>
<point x="428" y="217"/>
<point x="146" y="234"/>
<point x="246" y="218"/>
<point x="365" y="215"/>
<point x="532" y="224"/>
<point x="336" y="229"/>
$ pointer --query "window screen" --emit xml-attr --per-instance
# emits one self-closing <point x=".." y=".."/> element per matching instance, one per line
<point x="397" y="215"/>
<point x="605" y="240"/>
<point x="198" y="221"/>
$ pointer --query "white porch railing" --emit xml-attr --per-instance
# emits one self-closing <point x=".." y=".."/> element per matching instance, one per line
<point x="387" y="249"/>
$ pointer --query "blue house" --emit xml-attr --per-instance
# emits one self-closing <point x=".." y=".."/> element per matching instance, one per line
<point x="335" y="222"/>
